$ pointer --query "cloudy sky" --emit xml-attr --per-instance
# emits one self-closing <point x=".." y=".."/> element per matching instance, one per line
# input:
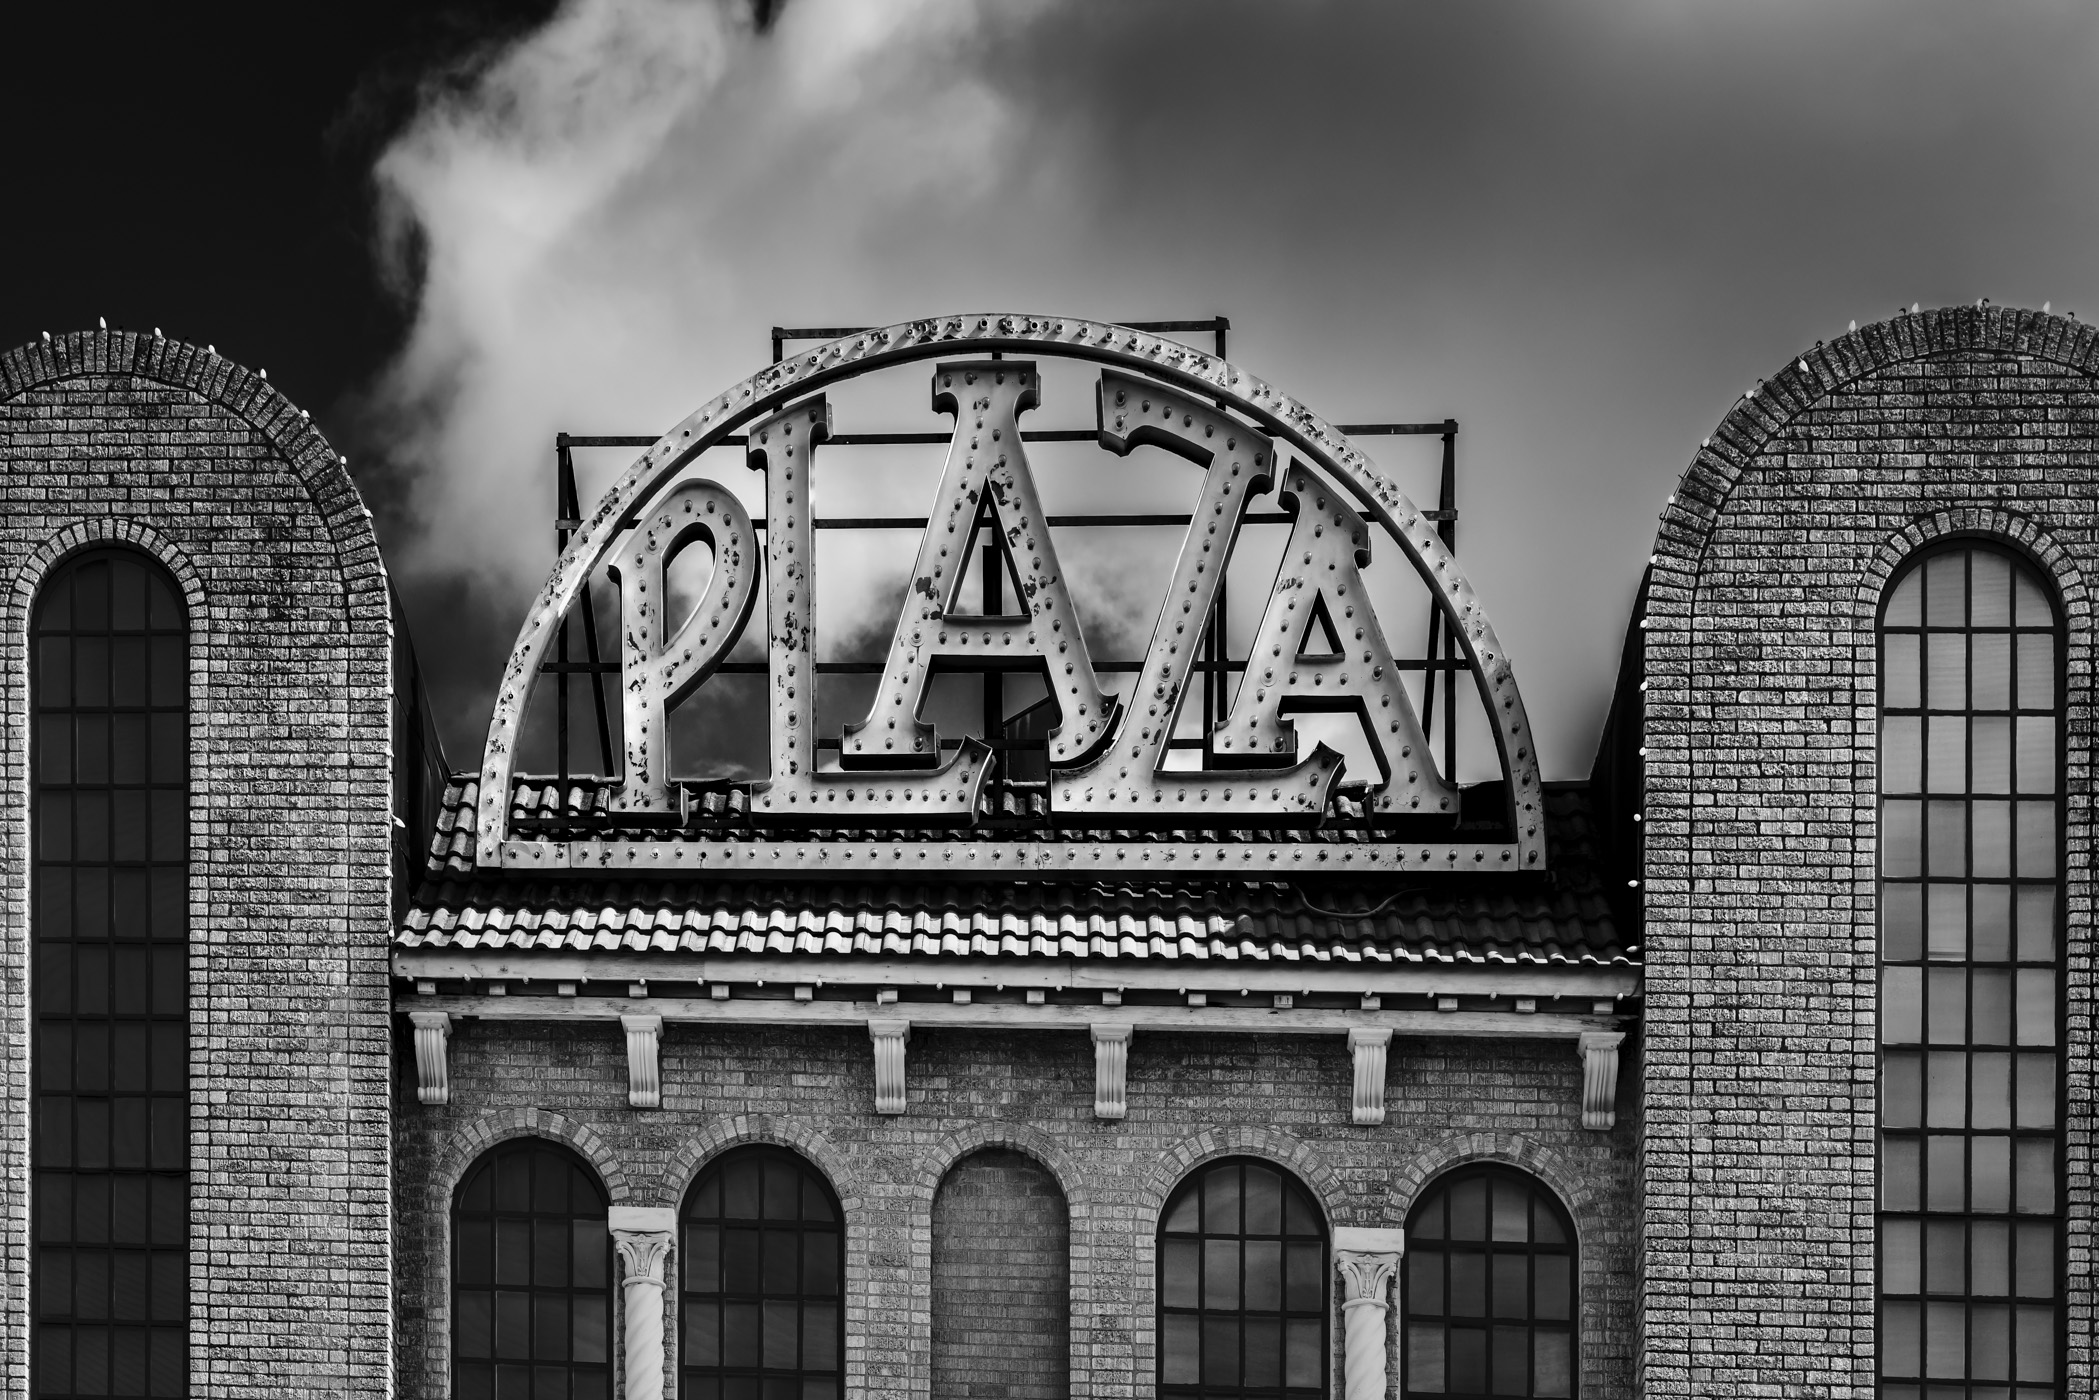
<point x="1582" y="229"/>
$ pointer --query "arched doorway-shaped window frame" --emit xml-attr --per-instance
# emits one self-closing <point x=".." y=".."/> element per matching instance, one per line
<point x="1971" y="917"/>
<point x="531" y="1277"/>
<point x="1244" y="1279"/>
<point x="1001" y="1278"/>
<point x="1492" y="1287"/>
<point x="762" y="1280"/>
<point x="109" y="754"/>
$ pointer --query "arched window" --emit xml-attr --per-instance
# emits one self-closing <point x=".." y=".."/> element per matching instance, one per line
<point x="1970" y="1001"/>
<point x="1242" y="1286"/>
<point x="1001" y="1280"/>
<point x="531" y="1278"/>
<point x="762" y="1281"/>
<point x="1490" y="1288"/>
<point x="110" y="990"/>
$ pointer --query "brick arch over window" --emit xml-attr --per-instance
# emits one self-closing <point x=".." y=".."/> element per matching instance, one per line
<point x="466" y="1146"/>
<point x="742" y="1129"/>
<point x="938" y="1159"/>
<point x="104" y="530"/>
<point x="1580" y="1191"/>
<point x="1298" y="1156"/>
<point x="1989" y="524"/>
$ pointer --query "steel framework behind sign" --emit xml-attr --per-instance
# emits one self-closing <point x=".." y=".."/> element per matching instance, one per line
<point x="1214" y="668"/>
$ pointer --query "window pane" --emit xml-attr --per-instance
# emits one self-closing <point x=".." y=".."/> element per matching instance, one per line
<point x="109" y="1129"/>
<point x="1902" y="923"/>
<point x="1425" y="1358"/>
<point x="1902" y="671"/>
<point x="1991" y="819"/>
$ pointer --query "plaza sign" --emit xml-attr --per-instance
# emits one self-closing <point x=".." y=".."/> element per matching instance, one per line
<point x="896" y="795"/>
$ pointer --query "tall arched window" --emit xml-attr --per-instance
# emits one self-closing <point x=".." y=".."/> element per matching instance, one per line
<point x="1490" y="1288"/>
<point x="762" y="1281"/>
<point x="109" y="751"/>
<point x="1242" y="1286"/>
<point x="531" y="1278"/>
<point x="1970" y="1002"/>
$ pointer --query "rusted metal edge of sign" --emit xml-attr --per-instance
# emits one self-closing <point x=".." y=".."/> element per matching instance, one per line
<point x="991" y="857"/>
<point x="948" y="790"/>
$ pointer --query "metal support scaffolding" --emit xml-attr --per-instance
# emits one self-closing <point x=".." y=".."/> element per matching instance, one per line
<point x="1215" y="667"/>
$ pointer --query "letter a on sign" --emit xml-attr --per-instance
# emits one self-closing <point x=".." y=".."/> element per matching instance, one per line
<point x="1131" y="781"/>
<point x="1319" y="597"/>
<point x="986" y="482"/>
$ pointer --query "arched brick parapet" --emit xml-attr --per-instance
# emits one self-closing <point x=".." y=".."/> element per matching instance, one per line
<point x="249" y="397"/>
<point x="1772" y="407"/>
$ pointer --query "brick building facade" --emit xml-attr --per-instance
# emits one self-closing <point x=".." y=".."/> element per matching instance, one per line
<point x="503" y="1084"/>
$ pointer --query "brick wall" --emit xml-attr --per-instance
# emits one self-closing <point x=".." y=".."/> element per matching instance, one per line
<point x="114" y="437"/>
<point x="1191" y="1097"/>
<point x="1758" y="1178"/>
<point x="1001" y="1281"/>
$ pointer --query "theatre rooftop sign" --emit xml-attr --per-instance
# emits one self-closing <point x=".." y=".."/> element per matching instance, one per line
<point x="1198" y="766"/>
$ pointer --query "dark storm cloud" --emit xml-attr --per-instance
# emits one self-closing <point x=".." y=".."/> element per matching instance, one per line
<point x="1581" y="229"/>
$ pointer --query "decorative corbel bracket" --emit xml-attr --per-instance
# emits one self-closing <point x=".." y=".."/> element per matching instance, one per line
<point x="644" y="1069"/>
<point x="1367" y="1044"/>
<point x="889" y="1036"/>
<point x="1599" y="1050"/>
<point x="1111" y="1068"/>
<point x="433" y="1032"/>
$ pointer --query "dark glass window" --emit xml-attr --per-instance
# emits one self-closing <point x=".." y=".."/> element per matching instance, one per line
<point x="531" y="1278"/>
<point x="1970" y="1000"/>
<point x="1490" y="1288"/>
<point x="763" y="1281"/>
<point x="110" y="984"/>
<point x="1242" y="1286"/>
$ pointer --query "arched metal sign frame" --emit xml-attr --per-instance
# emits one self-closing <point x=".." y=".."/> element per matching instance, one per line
<point x="1172" y="364"/>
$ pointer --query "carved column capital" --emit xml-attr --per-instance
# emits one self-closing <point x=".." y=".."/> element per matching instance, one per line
<point x="890" y="1036"/>
<point x="641" y="1254"/>
<point x="1599" y="1052"/>
<point x="1111" y="1068"/>
<point x="433" y="1035"/>
<point x="1365" y="1277"/>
